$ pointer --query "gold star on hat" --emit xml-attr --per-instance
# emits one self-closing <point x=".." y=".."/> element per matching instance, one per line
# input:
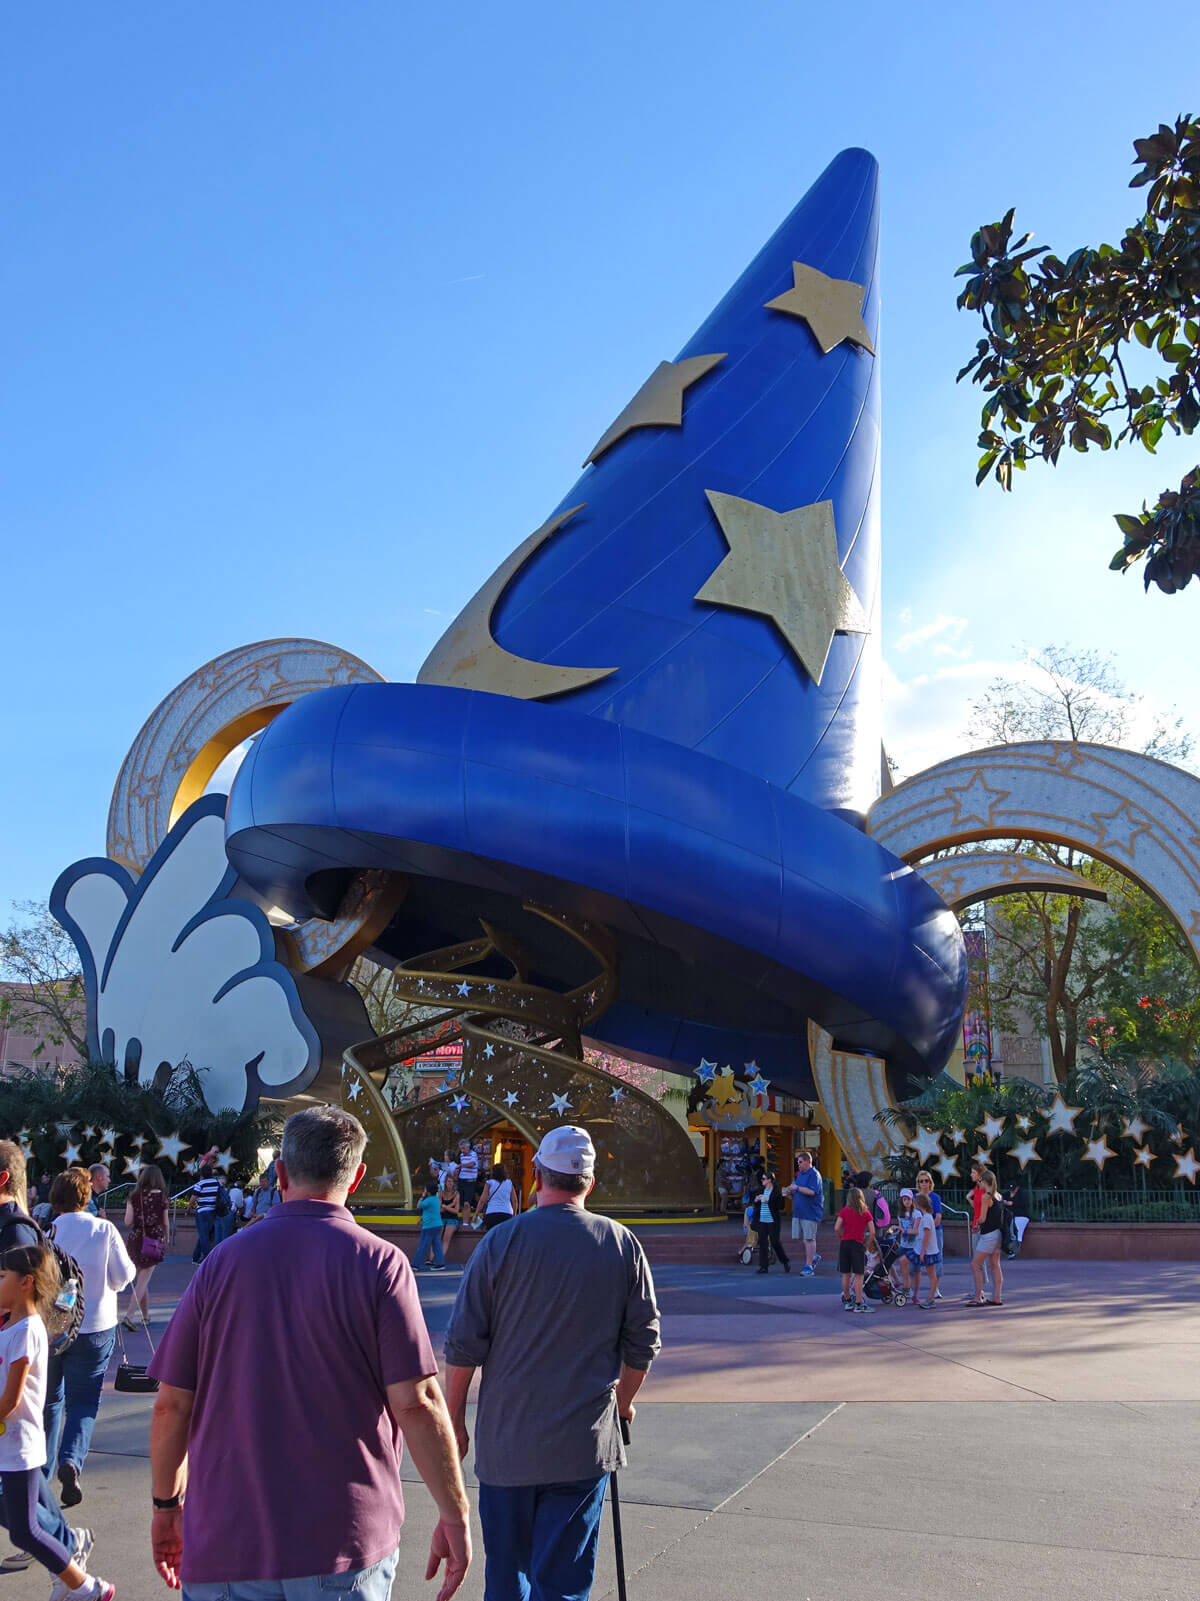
<point x="832" y="307"/>
<point x="659" y="402"/>
<point x="784" y="565"/>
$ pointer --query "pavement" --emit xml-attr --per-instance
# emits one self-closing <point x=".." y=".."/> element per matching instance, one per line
<point x="784" y="1446"/>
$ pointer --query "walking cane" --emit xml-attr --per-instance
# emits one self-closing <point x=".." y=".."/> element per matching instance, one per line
<point x="618" y="1543"/>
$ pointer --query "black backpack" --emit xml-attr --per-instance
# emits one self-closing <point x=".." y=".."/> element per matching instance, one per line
<point x="65" y="1316"/>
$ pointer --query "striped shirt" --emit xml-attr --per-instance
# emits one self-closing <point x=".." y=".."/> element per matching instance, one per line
<point x="468" y="1166"/>
<point x="206" y="1193"/>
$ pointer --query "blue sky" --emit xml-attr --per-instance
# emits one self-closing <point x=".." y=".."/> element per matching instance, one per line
<point x="313" y="311"/>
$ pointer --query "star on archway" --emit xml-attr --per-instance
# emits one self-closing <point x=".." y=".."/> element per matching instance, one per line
<point x="974" y="802"/>
<point x="832" y="307"/>
<point x="659" y="402"/>
<point x="785" y="566"/>
<point x="1118" y="829"/>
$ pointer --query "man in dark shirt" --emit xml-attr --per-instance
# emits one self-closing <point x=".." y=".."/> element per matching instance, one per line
<point x="557" y="1307"/>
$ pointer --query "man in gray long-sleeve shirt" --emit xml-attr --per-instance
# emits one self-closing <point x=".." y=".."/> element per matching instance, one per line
<point x="557" y="1307"/>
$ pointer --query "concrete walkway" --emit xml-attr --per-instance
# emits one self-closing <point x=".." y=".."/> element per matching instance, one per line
<point x="785" y="1447"/>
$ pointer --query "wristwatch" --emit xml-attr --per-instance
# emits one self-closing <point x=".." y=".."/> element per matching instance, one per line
<point x="166" y="1503"/>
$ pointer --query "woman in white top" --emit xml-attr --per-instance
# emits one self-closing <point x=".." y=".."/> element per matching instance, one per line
<point x="77" y="1375"/>
<point x="498" y="1198"/>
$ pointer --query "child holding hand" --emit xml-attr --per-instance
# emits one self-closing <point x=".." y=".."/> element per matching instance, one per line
<point x="28" y="1285"/>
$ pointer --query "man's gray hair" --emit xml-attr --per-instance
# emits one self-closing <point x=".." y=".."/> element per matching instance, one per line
<point x="322" y="1147"/>
<point x="568" y="1183"/>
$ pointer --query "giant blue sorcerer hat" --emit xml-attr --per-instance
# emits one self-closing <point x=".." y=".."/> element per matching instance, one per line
<point x="662" y="712"/>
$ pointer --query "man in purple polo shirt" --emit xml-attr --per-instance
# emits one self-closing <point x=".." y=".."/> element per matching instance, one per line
<point x="296" y="1360"/>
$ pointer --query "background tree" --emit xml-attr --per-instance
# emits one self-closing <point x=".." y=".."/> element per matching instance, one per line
<point x="1059" y="334"/>
<point x="1059" y="959"/>
<point x="39" y="954"/>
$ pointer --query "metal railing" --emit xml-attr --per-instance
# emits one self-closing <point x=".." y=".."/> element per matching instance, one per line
<point x="1181" y="1205"/>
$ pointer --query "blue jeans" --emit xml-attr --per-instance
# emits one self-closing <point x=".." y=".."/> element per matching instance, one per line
<point x="226" y="1225"/>
<point x="365" y="1584"/>
<point x="431" y="1240"/>
<point x="73" y="1385"/>
<point x="540" y="1539"/>
<point x="204" y="1235"/>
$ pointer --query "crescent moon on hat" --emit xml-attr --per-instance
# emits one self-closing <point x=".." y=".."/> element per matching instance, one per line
<point x="468" y="657"/>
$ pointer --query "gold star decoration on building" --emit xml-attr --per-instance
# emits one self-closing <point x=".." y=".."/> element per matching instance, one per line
<point x="723" y="1090"/>
<point x="784" y="565"/>
<point x="1118" y="829"/>
<point x="832" y="307"/>
<point x="974" y="802"/>
<point x="659" y="402"/>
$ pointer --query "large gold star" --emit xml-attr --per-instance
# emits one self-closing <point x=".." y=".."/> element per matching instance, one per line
<point x="784" y="565"/>
<point x="832" y="307"/>
<point x="724" y="1090"/>
<point x="659" y="402"/>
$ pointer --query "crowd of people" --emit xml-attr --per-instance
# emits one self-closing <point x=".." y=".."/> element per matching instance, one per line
<point x="903" y="1250"/>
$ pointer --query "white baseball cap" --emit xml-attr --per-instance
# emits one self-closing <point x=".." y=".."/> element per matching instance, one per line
<point x="567" y="1150"/>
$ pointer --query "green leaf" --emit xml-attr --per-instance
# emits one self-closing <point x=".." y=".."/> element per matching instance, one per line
<point x="1141" y="333"/>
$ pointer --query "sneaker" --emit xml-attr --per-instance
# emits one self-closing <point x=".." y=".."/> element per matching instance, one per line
<point x="94" y="1589"/>
<point x="937" y="1295"/>
<point x="787" y="1267"/>
<point x="68" y="1478"/>
<point x="807" y="1273"/>
<point x="847" y="1303"/>
<point x="16" y="1562"/>
<point x="762" y="1270"/>
<point x="927" y="1305"/>
<point x="438" y="1267"/>
<point x="863" y="1307"/>
<point x="816" y="1258"/>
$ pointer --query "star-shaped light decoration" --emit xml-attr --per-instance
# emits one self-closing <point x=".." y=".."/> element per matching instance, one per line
<point x="1143" y="1156"/>
<point x="758" y="1085"/>
<point x="559" y="1103"/>
<point x="464" y="988"/>
<point x="1024" y="1122"/>
<point x="957" y="1136"/>
<point x="724" y="1089"/>
<point x="975" y="801"/>
<point x="659" y="402"/>
<point x="785" y="566"/>
<point x="171" y="1148"/>
<point x="1097" y="1151"/>
<point x="616" y="1095"/>
<point x="1061" y="1118"/>
<point x="355" y="1090"/>
<point x="947" y="1166"/>
<point x="489" y="1051"/>
<point x="223" y="1160"/>
<point x="133" y="1166"/>
<point x="991" y="1128"/>
<point x="386" y="1179"/>
<point x="1025" y="1152"/>
<point x="927" y="1143"/>
<point x="71" y="1155"/>
<point x="510" y="1099"/>
<point x="832" y="307"/>
<point x="983" y="1156"/>
<point x="706" y="1071"/>
<point x="108" y="1138"/>
<point x="1187" y="1166"/>
<point x="460" y="1103"/>
<point x="1134" y="1128"/>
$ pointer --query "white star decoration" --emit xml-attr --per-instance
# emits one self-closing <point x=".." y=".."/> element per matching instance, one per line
<point x="1024" y="1153"/>
<point x="464" y="989"/>
<point x="947" y="1166"/>
<point x="974" y="802"/>
<point x="1187" y="1166"/>
<point x="1135" y="1128"/>
<point x="956" y="1136"/>
<point x="133" y="1166"/>
<point x="108" y="1139"/>
<point x="355" y="1089"/>
<point x="616" y="1095"/>
<point x="489" y="1051"/>
<point x="991" y="1128"/>
<point x="983" y="1156"/>
<point x="1143" y="1156"/>
<point x="1024" y="1122"/>
<point x="224" y="1160"/>
<point x="1097" y="1151"/>
<point x="560" y="1103"/>
<point x="386" y="1179"/>
<point x="71" y="1155"/>
<point x="927" y="1143"/>
<point x="510" y="1099"/>
<point x="1061" y="1117"/>
<point x="171" y="1148"/>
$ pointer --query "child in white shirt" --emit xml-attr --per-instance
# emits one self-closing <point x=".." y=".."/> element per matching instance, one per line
<point x="28" y="1285"/>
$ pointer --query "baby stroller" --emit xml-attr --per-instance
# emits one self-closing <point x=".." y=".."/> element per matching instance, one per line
<point x="749" y="1250"/>
<point x="882" y="1282"/>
